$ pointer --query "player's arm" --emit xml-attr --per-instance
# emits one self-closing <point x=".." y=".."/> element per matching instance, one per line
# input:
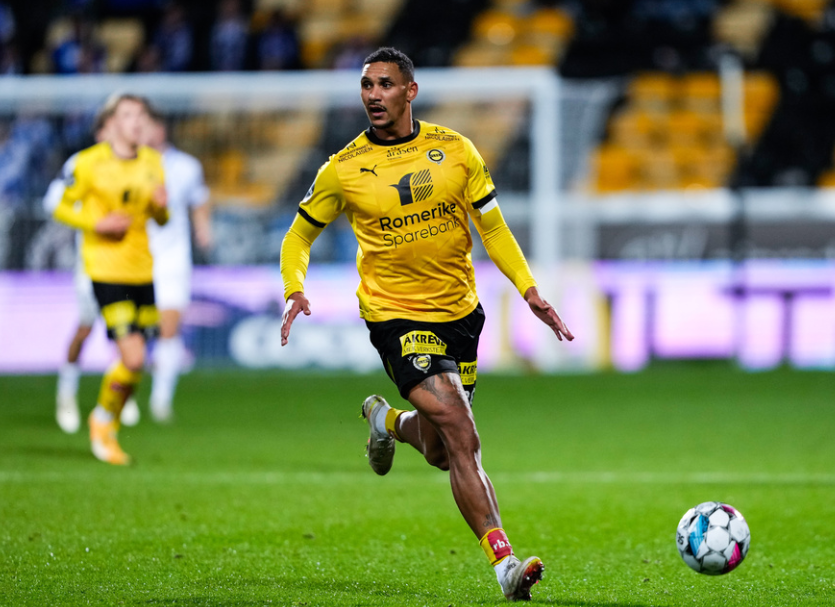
<point x="72" y="211"/>
<point x="505" y="252"/>
<point x="295" y="258"/>
<point x="159" y="205"/>
<point x="321" y="205"/>
<point x="201" y="218"/>
<point x="201" y="210"/>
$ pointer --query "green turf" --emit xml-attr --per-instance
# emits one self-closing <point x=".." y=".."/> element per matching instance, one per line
<point x="260" y="494"/>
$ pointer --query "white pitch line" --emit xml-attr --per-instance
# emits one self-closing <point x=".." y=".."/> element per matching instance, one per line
<point x="367" y="478"/>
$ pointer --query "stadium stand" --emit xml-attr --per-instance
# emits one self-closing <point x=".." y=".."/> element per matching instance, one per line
<point x="664" y="130"/>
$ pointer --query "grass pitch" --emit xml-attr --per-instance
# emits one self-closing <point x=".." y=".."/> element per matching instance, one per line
<point x="260" y="494"/>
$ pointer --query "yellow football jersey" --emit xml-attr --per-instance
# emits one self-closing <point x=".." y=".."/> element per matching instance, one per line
<point x="409" y="202"/>
<point x="100" y="182"/>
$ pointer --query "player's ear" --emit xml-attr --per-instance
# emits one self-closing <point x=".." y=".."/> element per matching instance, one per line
<point x="412" y="91"/>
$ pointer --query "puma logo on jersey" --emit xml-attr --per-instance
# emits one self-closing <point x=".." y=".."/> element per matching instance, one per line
<point x="371" y="170"/>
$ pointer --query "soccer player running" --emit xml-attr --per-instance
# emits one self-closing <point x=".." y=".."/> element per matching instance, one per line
<point x="66" y="399"/>
<point x="171" y="248"/>
<point x="115" y="186"/>
<point x="409" y="189"/>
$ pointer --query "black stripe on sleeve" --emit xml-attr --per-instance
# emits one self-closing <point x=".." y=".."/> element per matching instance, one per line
<point x="304" y="214"/>
<point x="480" y="203"/>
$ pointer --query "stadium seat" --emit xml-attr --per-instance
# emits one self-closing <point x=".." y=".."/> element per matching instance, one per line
<point x="122" y="39"/>
<point x="652" y="90"/>
<point x="743" y="25"/>
<point x="497" y="27"/>
<point x="614" y="169"/>
<point x="701" y="91"/>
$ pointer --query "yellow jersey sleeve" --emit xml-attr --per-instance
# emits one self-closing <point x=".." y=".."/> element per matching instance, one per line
<point x="325" y="199"/>
<point x="502" y="247"/>
<point x="71" y="209"/>
<point x="295" y="254"/>
<point x="480" y="187"/>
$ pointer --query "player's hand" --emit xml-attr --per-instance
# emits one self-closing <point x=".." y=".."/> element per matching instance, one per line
<point x="113" y="226"/>
<point x="296" y="303"/>
<point x="160" y="196"/>
<point x="547" y="314"/>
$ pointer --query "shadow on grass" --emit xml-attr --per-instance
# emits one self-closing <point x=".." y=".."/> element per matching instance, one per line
<point x="339" y="593"/>
<point x="81" y="452"/>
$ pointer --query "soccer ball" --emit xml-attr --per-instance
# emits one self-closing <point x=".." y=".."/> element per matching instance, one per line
<point x="713" y="538"/>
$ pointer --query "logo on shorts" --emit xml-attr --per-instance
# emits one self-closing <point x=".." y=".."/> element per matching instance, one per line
<point x="421" y="342"/>
<point x="436" y="156"/>
<point x="422" y="362"/>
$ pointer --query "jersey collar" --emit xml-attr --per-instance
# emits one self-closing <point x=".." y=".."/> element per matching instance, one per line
<point x="372" y="136"/>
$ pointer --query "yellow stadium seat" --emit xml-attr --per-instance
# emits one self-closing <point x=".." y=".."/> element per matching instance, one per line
<point x="551" y="21"/>
<point x="496" y="27"/>
<point x="652" y="90"/>
<point x="658" y="168"/>
<point x="531" y="54"/>
<point x="122" y="39"/>
<point x="615" y="169"/>
<point x="636" y="128"/>
<point x="743" y="25"/>
<point x="827" y="179"/>
<point x="701" y="91"/>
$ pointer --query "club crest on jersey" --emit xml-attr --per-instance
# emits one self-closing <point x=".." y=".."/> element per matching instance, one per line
<point x="422" y="362"/>
<point x="436" y="156"/>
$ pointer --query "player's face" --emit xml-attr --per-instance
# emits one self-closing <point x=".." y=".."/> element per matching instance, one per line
<point x="153" y="133"/>
<point x="128" y="122"/>
<point x="386" y="96"/>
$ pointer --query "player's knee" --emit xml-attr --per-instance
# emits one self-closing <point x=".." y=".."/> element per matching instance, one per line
<point x="134" y="361"/>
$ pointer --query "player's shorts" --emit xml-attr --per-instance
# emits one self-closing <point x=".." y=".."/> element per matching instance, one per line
<point x="88" y="308"/>
<point x="172" y="285"/>
<point x="412" y="350"/>
<point x="127" y="309"/>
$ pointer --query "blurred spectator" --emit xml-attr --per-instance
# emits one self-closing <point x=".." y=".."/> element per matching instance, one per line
<point x="175" y="40"/>
<point x="230" y="35"/>
<point x="352" y="53"/>
<point x="7" y="24"/>
<point x="80" y="53"/>
<point x="148" y="60"/>
<point x="10" y="60"/>
<point x="25" y="150"/>
<point x="278" y="48"/>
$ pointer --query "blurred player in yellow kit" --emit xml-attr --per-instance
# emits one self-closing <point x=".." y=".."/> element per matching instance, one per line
<point x="113" y="189"/>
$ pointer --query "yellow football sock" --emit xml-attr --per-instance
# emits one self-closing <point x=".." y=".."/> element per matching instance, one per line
<point x="496" y="545"/>
<point x="117" y="385"/>
<point x="391" y="422"/>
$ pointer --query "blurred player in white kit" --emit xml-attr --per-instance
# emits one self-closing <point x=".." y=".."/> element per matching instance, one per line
<point x="171" y="248"/>
<point x="188" y="195"/>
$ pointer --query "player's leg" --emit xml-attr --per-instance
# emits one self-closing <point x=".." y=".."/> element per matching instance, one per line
<point x="168" y="361"/>
<point x="66" y="401"/>
<point x="442" y="401"/>
<point x="129" y="313"/>
<point x="172" y="286"/>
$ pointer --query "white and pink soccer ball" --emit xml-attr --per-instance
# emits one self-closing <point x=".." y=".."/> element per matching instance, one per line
<point x="713" y="538"/>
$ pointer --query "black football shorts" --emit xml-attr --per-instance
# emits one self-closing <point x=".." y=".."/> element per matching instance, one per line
<point x="412" y="350"/>
<point x="127" y="309"/>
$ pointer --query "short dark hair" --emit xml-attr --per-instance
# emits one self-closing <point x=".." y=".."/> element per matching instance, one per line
<point x="388" y="54"/>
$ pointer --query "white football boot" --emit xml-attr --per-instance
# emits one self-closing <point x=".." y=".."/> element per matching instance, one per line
<point x="520" y="576"/>
<point x="380" y="447"/>
<point x="130" y="413"/>
<point x="162" y="411"/>
<point x="66" y="413"/>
